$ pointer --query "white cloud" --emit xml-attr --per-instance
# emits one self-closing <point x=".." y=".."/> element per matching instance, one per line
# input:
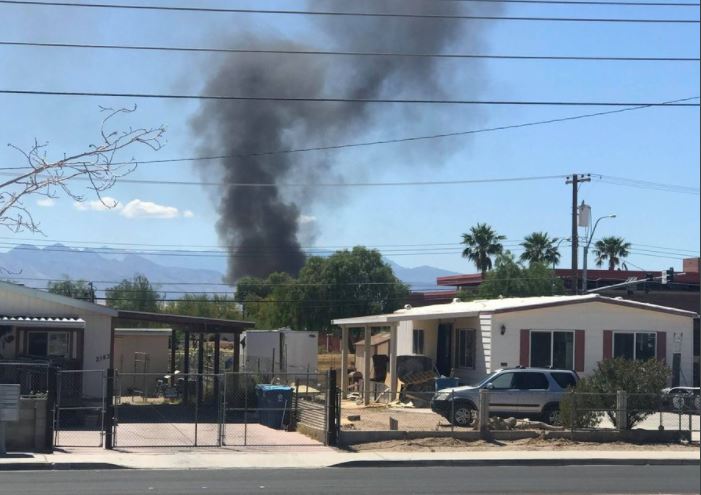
<point x="137" y="208"/>
<point x="46" y="202"/>
<point x="306" y="219"/>
<point x="107" y="203"/>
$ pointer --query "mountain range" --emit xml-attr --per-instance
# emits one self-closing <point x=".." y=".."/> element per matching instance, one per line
<point x="174" y="271"/>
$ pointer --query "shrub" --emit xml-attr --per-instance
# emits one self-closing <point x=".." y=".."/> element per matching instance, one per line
<point x="641" y="380"/>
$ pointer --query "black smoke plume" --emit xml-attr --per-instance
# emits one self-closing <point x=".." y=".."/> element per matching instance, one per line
<point x="261" y="225"/>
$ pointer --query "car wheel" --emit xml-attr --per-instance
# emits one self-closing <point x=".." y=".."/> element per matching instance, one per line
<point x="464" y="415"/>
<point x="697" y="403"/>
<point x="551" y="415"/>
<point x="678" y="402"/>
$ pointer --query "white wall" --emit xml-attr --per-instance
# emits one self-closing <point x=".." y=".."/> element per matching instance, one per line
<point x="593" y="318"/>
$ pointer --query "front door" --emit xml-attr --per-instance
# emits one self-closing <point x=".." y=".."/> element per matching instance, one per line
<point x="443" y="349"/>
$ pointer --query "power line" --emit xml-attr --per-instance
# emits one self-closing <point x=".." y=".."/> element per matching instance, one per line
<point x="389" y="141"/>
<point x="452" y="182"/>
<point x="394" y="15"/>
<point x="347" y="53"/>
<point x="584" y="2"/>
<point x="412" y="101"/>
<point x="641" y="184"/>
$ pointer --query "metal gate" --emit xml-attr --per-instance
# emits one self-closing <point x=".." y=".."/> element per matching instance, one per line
<point x="194" y="410"/>
<point x="275" y="409"/>
<point x="79" y="413"/>
<point x="153" y="410"/>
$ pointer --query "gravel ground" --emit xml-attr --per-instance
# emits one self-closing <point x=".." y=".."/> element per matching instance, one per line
<point x="452" y="444"/>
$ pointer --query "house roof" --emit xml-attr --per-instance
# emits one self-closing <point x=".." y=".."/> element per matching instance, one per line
<point x="201" y="324"/>
<point x="56" y="299"/>
<point x="490" y="306"/>
<point x="613" y="276"/>
<point x="41" y="321"/>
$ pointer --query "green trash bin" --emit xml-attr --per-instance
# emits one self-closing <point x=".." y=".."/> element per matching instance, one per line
<point x="274" y="405"/>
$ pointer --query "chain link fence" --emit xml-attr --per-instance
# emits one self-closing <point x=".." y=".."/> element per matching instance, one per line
<point x="447" y="412"/>
<point x="79" y="414"/>
<point x="269" y="409"/>
<point x="32" y="376"/>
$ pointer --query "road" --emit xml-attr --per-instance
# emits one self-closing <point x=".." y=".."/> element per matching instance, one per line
<point x="356" y="481"/>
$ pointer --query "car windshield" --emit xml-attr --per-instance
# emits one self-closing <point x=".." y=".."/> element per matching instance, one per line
<point x="485" y="380"/>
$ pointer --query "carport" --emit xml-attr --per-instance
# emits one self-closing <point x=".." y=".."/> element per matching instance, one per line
<point x="201" y="326"/>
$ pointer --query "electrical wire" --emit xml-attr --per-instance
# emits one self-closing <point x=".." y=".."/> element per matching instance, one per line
<point x="388" y="141"/>
<point x="392" y="15"/>
<point x="346" y="53"/>
<point x="410" y="101"/>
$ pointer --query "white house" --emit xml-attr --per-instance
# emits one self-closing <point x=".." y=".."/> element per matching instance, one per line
<point x="471" y="339"/>
<point x="38" y="325"/>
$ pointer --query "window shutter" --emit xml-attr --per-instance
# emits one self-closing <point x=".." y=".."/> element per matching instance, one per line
<point x="579" y="350"/>
<point x="662" y="346"/>
<point x="525" y="348"/>
<point x="608" y="344"/>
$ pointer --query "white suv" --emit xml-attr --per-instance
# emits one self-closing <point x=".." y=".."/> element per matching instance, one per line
<point x="519" y="392"/>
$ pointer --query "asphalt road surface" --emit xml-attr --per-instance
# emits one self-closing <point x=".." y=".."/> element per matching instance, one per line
<point x="356" y="481"/>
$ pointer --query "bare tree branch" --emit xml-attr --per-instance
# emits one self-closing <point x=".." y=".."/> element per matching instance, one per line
<point x="97" y="165"/>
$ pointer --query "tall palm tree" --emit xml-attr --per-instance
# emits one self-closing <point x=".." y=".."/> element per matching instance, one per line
<point x="482" y="242"/>
<point x="540" y="248"/>
<point x="612" y="249"/>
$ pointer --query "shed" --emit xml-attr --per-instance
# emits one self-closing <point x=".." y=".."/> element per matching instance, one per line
<point x="141" y="350"/>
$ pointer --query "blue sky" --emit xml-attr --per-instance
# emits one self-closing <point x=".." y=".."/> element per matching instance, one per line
<point x="657" y="144"/>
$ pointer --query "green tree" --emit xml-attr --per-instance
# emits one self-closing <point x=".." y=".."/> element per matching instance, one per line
<point x="612" y="250"/>
<point x="270" y="302"/>
<point x="481" y="243"/>
<point x="511" y="279"/>
<point x="217" y="306"/>
<point x="540" y="248"/>
<point x="595" y="395"/>
<point x="77" y="289"/>
<point x="136" y="294"/>
<point x="348" y="283"/>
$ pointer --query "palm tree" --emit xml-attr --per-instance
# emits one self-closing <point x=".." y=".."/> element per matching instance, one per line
<point x="482" y="242"/>
<point x="540" y="248"/>
<point x="612" y="249"/>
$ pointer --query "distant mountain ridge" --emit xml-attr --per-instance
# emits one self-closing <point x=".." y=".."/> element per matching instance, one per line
<point x="172" y="270"/>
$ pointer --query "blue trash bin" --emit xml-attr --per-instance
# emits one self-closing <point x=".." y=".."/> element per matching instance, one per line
<point x="446" y="382"/>
<point x="274" y="405"/>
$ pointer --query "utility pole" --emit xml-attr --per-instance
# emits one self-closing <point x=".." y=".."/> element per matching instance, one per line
<point x="575" y="180"/>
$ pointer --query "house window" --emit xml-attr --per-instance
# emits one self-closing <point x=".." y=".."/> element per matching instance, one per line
<point x="465" y="348"/>
<point x="48" y="344"/>
<point x="635" y="345"/>
<point x="418" y="347"/>
<point x="552" y="349"/>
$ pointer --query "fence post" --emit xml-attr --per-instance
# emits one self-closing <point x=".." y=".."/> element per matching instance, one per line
<point x="331" y="425"/>
<point x="108" y="418"/>
<point x="621" y="410"/>
<point x="51" y="393"/>
<point x="484" y="414"/>
<point x="452" y="411"/>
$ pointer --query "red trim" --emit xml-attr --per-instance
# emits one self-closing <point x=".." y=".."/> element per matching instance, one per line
<point x="608" y="344"/>
<point x="662" y="346"/>
<point x="579" y="350"/>
<point x="525" y="352"/>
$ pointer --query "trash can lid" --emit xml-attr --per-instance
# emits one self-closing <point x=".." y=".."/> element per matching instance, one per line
<point x="269" y="387"/>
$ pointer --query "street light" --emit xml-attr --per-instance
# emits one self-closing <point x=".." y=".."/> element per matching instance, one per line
<point x="585" y="285"/>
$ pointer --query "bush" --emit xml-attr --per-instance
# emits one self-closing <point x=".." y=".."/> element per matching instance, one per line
<point x="595" y="396"/>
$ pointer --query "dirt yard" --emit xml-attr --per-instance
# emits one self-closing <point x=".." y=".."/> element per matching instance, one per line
<point x="452" y="444"/>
